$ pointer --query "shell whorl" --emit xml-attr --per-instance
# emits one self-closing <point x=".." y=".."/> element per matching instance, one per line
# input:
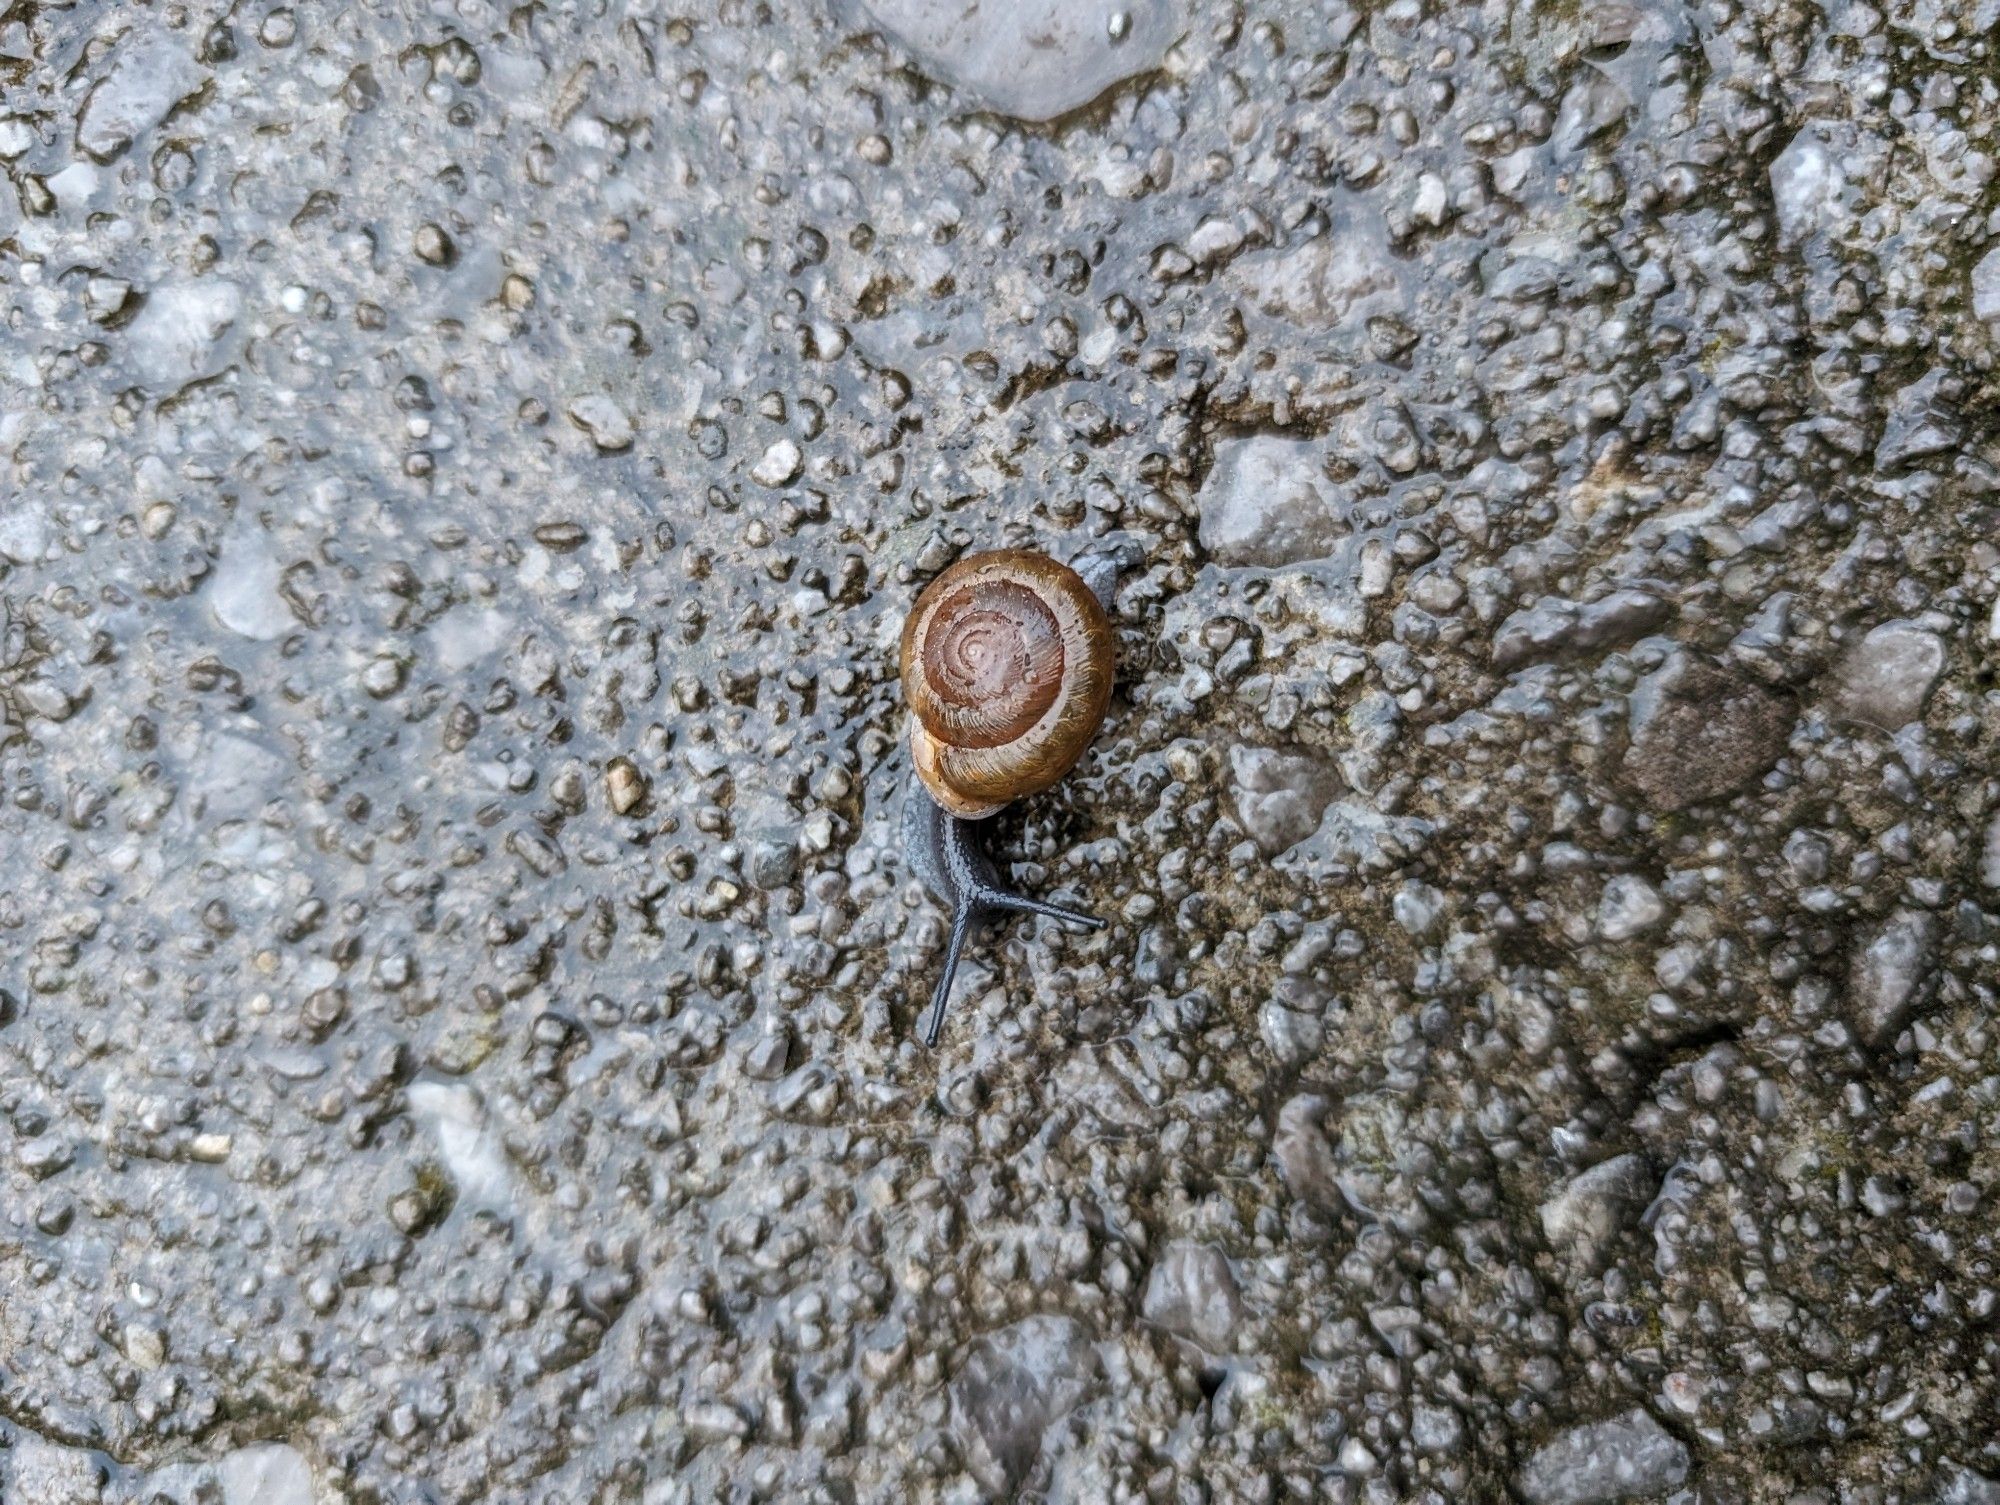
<point x="1007" y="664"/>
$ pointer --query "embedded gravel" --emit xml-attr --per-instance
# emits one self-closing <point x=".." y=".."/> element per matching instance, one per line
<point x="465" y="470"/>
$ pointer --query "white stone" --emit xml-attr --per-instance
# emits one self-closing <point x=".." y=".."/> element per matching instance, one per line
<point x="609" y="426"/>
<point x="149" y="75"/>
<point x="243" y="591"/>
<point x="24" y="529"/>
<point x="1807" y="182"/>
<point x="780" y="465"/>
<point x="465" y="636"/>
<point x="1430" y="203"/>
<point x="1628" y="1457"/>
<point x="1193" y="1292"/>
<point x="1586" y="1215"/>
<point x="176" y="337"/>
<point x="1033" y="59"/>
<point x="471" y="1154"/>
<point x="268" y="1473"/>
<point x="1630" y="906"/>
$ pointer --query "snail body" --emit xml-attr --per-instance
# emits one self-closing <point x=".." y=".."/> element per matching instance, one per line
<point x="1007" y="664"/>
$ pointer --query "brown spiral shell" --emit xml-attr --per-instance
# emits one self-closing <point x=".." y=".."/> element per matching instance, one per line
<point x="1007" y="665"/>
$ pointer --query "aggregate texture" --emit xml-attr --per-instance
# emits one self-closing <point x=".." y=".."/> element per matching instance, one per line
<point x="465" y="469"/>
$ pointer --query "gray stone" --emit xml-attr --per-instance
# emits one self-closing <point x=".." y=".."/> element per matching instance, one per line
<point x="1035" y="59"/>
<point x="1588" y="1213"/>
<point x="150" y="74"/>
<point x="1959" y="1485"/>
<point x="1267" y="503"/>
<point x="1013" y="1385"/>
<point x="1922" y="421"/>
<point x="1989" y="855"/>
<point x="1335" y="281"/>
<point x="1555" y="627"/>
<point x="770" y="1053"/>
<point x="1280" y="797"/>
<point x="268" y="1473"/>
<point x="1630" y="906"/>
<point x="1699" y="733"/>
<point x="1885" y="679"/>
<point x="243" y="590"/>
<point x="1304" y="1153"/>
<point x="1629" y="1457"/>
<point x="1436" y="1430"/>
<point x="607" y="423"/>
<point x="1192" y="1292"/>
<point x="1292" y="1035"/>
<point x="1986" y="286"/>
<point x="49" y="1474"/>
<point x="177" y="336"/>
<point x="1891" y="974"/>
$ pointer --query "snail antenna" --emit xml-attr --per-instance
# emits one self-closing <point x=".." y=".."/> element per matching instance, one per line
<point x="999" y="898"/>
<point x="961" y="926"/>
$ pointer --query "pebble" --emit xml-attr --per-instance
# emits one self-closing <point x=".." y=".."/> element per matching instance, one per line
<point x="1631" y="906"/>
<point x="779" y="466"/>
<point x="243" y="591"/>
<point x="1266" y="503"/>
<point x="150" y="73"/>
<point x="1280" y="797"/>
<point x="1590" y="1212"/>
<point x="1697" y="734"/>
<point x="1192" y="1292"/>
<point x="1891" y="973"/>
<point x="609" y="425"/>
<point x="624" y="786"/>
<point x="1628" y="1457"/>
<point x="710" y="1421"/>
<point x="1033" y="59"/>
<point x="1885" y="679"/>
<point x="1014" y="1385"/>
<point x="434" y="245"/>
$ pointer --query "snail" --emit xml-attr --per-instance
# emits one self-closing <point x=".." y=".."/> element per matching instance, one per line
<point x="1007" y="663"/>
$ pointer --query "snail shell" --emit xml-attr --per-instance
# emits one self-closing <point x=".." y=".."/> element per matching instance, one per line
<point x="1007" y="665"/>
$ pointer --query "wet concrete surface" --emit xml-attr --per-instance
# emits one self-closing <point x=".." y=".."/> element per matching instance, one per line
<point x="466" y="468"/>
